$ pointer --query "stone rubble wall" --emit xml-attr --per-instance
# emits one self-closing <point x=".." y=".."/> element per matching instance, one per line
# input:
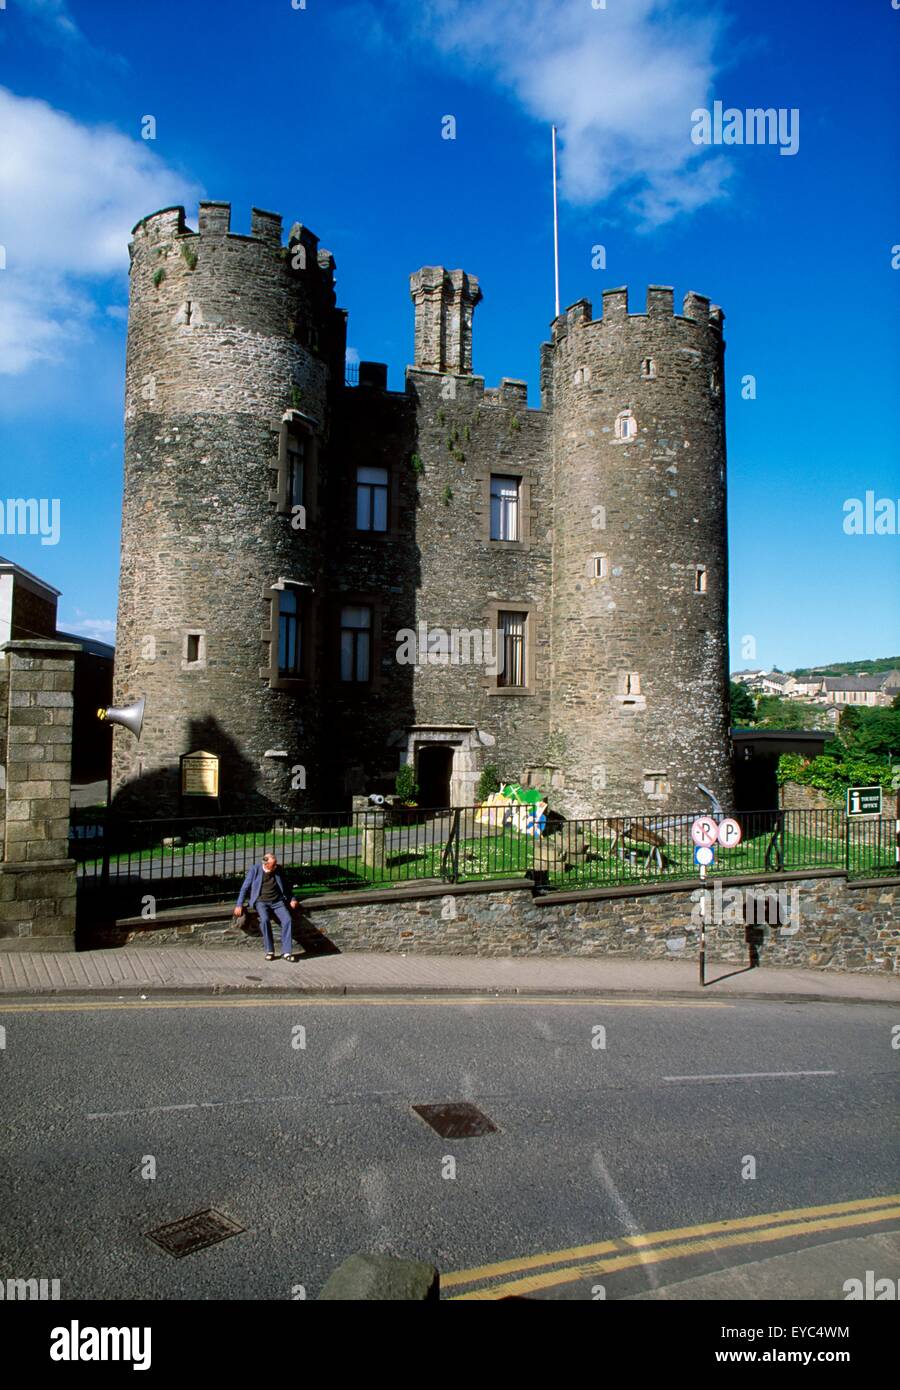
<point x="834" y="925"/>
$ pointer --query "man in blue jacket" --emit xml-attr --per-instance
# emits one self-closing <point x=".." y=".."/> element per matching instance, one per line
<point x="266" y="888"/>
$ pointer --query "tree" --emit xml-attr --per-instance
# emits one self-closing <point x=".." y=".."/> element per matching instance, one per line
<point x="772" y="712"/>
<point x="743" y="710"/>
<point x="870" y="733"/>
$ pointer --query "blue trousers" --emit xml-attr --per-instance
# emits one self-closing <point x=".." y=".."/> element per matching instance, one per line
<point x="283" y="913"/>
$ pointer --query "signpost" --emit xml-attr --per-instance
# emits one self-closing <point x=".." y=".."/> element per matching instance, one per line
<point x="863" y="801"/>
<point x="730" y="833"/>
<point x="705" y="833"/>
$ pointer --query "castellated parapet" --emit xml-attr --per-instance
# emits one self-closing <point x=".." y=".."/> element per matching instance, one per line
<point x="639" y="704"/>
<point x="608" y="568"/>
<point x="227" y="335"/>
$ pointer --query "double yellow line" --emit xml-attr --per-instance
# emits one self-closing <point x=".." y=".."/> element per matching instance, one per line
<point x="610" y="1256"/>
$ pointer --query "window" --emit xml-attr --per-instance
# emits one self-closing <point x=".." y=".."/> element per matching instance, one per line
<point x="295" y="495"/>
<point x="193" y="651"/>
<point x="715" y="384"/>
<point x="582" y="375"/>
<point x="656" y="784"/>
<point x="648" y="369"/>
<point x="296" y="464"/>
<point x="356" y="643"/>
<point x="626" y="425"/>
<point x="600" y="569"/>
<point x="511" y="632"/>
<point x="504" y="508"/>
<point x="632" y="683"/>
<point x="371" y="499"/>
<point x="290" y="634"/>
<point x="700" y="579"/>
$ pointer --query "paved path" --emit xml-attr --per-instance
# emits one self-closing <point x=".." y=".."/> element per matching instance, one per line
<point x="223" y="969"/>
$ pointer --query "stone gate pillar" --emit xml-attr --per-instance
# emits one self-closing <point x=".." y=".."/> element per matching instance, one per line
<point x="37" y="877"/>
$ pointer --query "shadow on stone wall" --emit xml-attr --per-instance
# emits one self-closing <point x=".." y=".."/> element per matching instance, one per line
<point x="153" y="794"/>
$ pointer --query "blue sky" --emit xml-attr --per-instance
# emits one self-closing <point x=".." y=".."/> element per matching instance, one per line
<point x="332" y="115"/>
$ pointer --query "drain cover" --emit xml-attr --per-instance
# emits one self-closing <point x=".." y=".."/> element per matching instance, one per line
<point x="458" y="1120"/>
<point x="195" y="1232"/>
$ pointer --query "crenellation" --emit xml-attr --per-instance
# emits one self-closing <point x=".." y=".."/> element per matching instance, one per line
<point x="237" y="349"/>
<point x="214" y="219"/>
<point x="266" y="226"/>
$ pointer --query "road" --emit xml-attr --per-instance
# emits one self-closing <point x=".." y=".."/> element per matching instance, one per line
<point x="308" y="1140"/>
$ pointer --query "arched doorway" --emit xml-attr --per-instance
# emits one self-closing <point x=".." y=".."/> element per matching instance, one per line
<point x="433" y="768"/>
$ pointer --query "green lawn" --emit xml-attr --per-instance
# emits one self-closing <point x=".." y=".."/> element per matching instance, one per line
<point x="508" y="854"/>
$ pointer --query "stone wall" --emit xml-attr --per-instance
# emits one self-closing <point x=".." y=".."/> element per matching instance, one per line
<point x="639" y="709"/>
<point x="37" y="879"/>
<point x="830" y="924"/>
<point x="795" y="796"/>
<point x="228" y="336"/>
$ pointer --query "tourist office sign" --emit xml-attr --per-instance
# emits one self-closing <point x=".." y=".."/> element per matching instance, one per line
<point x="863" y="801"/>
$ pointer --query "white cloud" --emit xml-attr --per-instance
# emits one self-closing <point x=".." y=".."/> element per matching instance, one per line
<point x="70" y="194"/>
<point x="101" y="629"/>
<point x="620" y="83"/>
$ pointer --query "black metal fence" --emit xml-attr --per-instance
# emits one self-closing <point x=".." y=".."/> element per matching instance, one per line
<point x="199" y="859"/>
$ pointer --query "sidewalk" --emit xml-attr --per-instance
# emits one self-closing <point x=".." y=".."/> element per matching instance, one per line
<point x="133" y="971"/>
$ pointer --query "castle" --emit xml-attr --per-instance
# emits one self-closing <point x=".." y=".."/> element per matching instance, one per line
<point x="285" y="533"/>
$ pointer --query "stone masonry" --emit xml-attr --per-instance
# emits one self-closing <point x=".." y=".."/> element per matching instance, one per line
<point x="828" y="923"/>
<point x="37" y="878"/>
<point x="616" y="574"/>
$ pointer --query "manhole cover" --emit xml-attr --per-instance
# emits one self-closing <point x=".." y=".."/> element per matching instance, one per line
<point x="195" y="1232"/>
<point x="458" y="1120"/>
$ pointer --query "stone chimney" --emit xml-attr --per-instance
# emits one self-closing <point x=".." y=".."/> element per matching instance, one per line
<point x="445" y="301"/>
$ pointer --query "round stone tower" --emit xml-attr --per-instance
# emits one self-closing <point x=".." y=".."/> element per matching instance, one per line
<point x="232" y="343"/>
<point x="639" y="702"/>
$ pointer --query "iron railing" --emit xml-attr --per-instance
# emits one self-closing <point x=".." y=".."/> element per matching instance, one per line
<point x="205" y="858"/>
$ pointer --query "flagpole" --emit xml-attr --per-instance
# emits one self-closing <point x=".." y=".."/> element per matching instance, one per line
<point x="555" y="227"/>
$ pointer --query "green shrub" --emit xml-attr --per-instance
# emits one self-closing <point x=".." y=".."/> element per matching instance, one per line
<point x="159" y="276"/>
<point x="418" y="466"/>
<point x="447" y="495"/>
<point x="488" y="783"/>
<point x="833" y="775"/>
<point x="405" y="784"/>
<point x="190" y="255"/>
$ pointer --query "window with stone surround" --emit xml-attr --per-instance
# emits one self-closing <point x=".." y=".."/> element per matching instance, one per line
<point x="648" y="369"/>
<point x="290" y="635"/>
<point x="512" y="671"/>
<point x="626" y="426"/>
<point x="193" y="651"/>
<point x="295" y="493"/>
<point x="505" y="507"/>
<point x="657" y="785"/>
<point x="700" y="579"/>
